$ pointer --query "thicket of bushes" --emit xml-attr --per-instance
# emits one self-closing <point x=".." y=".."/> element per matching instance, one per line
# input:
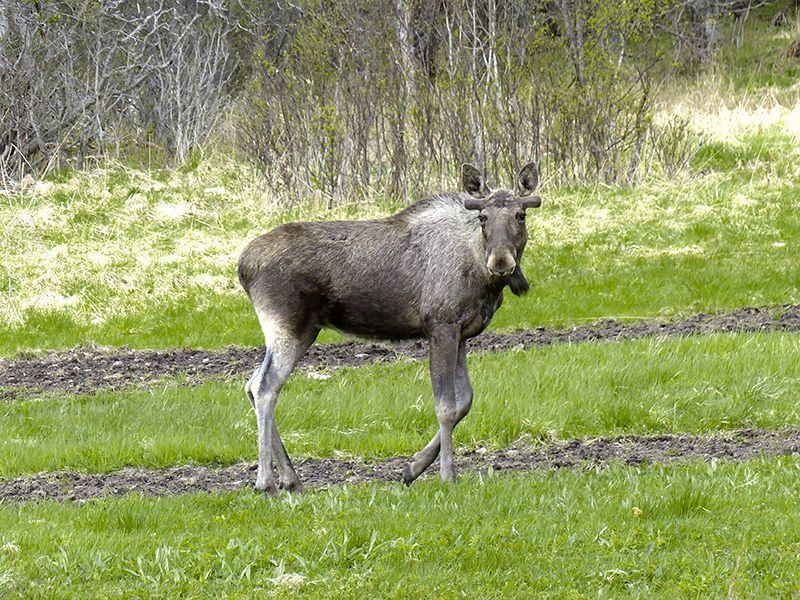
<point x="352" y="97"/>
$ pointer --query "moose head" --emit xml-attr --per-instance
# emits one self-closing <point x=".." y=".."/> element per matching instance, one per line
<point x="501" y="214"/>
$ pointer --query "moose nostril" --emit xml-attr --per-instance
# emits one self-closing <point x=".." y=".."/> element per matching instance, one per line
<point x="502" y="272"/>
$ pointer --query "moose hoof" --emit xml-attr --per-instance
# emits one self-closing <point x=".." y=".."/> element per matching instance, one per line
<point x="449" y="476"/>
<point x="408" y="475"/>
<point x="296" y="487"/>
<point x="267" y="488"/>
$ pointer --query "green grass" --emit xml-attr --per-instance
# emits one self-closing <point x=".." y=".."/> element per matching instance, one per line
<point x="701" y="384"/>
<point x="697" y="530"/>
<point x="118" y="257"/>
<point x="718" y="242"/>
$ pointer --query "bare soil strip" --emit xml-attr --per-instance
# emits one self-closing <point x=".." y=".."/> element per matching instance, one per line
<point x="320" y="473"/>
<point x="87" y="370"/>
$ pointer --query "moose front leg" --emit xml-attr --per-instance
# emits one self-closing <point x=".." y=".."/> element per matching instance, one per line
<point x="423" y="459"/>
<point x="444" y="344"/>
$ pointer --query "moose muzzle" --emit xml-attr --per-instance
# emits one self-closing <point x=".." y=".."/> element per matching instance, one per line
<point x="501" y="261"/>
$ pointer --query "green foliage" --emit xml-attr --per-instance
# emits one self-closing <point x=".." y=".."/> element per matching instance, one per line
<point x="718" y="156"/>
<point x="759" y="63"/>
<point x="192" y="161"/>
<point x="755" y="150"/>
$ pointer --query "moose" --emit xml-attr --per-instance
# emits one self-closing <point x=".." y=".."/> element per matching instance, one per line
<point x="435" y="270"/>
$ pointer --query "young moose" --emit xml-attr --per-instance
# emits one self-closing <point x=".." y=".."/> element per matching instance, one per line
<point x="436" y="269"/>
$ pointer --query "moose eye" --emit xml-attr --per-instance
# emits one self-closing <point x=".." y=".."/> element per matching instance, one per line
<point x="520" y="217"/>
<point x="482" y="219"/>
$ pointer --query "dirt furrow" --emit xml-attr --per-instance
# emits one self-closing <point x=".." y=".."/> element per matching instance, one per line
<point x="320" y="473"/>
<point x="87" y="370"/>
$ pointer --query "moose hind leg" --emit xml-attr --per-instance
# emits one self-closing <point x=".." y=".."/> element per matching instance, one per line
<point x="288" y="477"/>
<point x="283" y="351"/>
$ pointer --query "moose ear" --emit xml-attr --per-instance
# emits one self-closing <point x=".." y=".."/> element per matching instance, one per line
<point x="472" y="181"/>
<point x="528" y="179"/>
<point x="532" y="202"/>
<point x="473" y="204"/>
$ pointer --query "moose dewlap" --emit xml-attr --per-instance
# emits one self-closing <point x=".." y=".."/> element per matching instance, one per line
<point x="435" y="270"/>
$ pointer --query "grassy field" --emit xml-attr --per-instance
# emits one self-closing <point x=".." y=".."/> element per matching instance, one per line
<point x="657" y="531"/>
<point x="703" y="530"/>
<point x="146" y="258"/>
<point x="697" y="385"/>
<point x="120" y="257"/>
